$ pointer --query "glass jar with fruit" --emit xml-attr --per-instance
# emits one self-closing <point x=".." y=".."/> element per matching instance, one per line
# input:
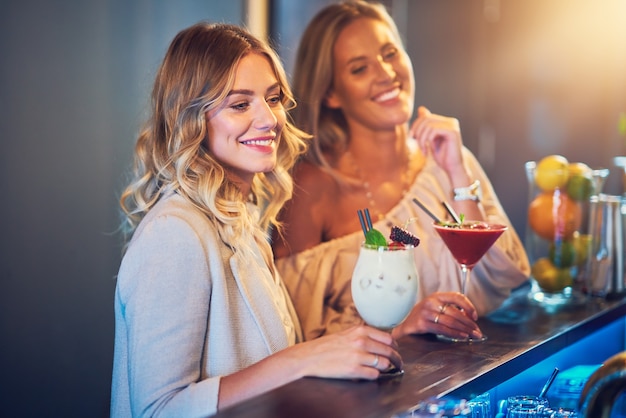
<point x="557" y="233"/>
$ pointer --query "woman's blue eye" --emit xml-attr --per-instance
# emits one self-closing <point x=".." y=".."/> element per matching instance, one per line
<point x="240" y="106"/>
<point x="276" y="97"/>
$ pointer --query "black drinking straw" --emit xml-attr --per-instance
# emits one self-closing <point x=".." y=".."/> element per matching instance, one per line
<point x="451" y="212"/>
<point x="362" y="220"/>
<point x="425" y="209"/>
<point x="368" y="219"/>
<point x="543" y="392"/>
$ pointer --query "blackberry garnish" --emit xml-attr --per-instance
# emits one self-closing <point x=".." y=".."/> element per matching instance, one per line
<point x="401" y="235"/>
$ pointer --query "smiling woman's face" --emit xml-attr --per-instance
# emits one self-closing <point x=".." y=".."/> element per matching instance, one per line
<point x="243" y="132"/>
<point x="372" y="76"/>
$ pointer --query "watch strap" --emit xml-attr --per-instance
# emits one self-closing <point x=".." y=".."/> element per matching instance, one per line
<point x="471" y="192"/>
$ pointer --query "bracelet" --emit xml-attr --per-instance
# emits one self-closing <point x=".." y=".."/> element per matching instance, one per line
<point x="471" y="192"/>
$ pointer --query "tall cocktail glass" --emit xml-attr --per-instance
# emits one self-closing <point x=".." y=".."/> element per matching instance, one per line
<point x="385" y="285"/>
<point x="468" y="242"/>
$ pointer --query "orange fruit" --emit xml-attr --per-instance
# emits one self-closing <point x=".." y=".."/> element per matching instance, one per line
<point x="551" y="172"/>
<point x="554" y="216"/>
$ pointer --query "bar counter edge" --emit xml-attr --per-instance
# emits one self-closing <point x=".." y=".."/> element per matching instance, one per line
<point x="520" y="335"/>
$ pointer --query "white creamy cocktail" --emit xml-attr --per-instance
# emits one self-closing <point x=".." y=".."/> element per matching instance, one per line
<point x="385" y="285"/>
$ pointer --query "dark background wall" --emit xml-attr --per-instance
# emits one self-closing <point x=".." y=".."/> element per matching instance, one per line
<point x="74" y="81"/>
<point x="526" y="78"/>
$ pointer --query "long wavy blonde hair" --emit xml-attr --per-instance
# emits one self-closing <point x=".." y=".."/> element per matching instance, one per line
<point x="313" y="76"/>
<point x="171" y="154"/>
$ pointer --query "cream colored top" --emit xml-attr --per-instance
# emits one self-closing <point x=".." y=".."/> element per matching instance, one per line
<point x="318" y="279"/>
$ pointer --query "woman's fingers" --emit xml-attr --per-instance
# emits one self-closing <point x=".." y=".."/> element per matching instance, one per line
<point x="454" y="323"/>
<point x="361" y="352"/>
<point x="382" y="344"/>
<point x="448" y="313"/>
<point x="459" y="300"/>
<point x="453" y="315"/>
<point x="439" y="135"/>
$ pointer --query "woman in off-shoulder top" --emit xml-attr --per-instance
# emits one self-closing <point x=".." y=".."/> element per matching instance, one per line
<point x="355" y="86"/>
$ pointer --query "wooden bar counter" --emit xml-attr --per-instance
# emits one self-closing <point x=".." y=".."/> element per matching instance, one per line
<point x="520" y="335"/>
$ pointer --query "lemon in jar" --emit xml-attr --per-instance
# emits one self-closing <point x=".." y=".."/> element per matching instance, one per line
<point x="549" y="277"/>
<point x="582" y="244"/>
<point x="552" y="172"/>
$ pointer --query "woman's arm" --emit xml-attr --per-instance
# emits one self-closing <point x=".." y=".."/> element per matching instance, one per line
<point x="440" y="136"/>
<point x="357" y="353"/>
<point x="164" y="295"/>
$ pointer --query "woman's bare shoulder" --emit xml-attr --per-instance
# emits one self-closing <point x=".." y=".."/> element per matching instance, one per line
<point x="305" y="217"/>
<point x="312" y="180"/>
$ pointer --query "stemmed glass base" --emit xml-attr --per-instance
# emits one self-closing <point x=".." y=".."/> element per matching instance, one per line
<point x="391" y="373"/>
<point x="461" y="340"/>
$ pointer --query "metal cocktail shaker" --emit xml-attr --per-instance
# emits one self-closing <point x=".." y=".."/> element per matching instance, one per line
<point x="605" y="272"/>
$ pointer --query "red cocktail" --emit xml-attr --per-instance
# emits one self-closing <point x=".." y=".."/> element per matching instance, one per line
<point x="468" y="242"/>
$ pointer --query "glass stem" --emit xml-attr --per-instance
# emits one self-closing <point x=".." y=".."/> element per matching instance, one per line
<point x="466" y="270"/>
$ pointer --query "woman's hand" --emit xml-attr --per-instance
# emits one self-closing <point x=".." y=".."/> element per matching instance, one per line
<point x="441" y="137"/>
<point x="447" y="313"/>
<point x="361" y="352"/>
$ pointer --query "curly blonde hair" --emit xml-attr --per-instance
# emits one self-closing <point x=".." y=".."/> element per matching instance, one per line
<point x="195" y="76"/>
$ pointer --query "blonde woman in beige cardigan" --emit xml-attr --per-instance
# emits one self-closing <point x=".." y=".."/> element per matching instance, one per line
<point x="202" y="319"/>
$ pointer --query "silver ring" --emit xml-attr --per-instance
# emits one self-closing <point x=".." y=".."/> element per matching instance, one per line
<point x="375" y="361"/>
<point x="442" y="309"/>
<point x="436" y="321"/>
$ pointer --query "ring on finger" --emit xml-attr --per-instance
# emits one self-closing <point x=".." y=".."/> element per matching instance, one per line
<point x="375" y="363"/>
<point x="442" y="308"/>
<point x="436" y="321"/>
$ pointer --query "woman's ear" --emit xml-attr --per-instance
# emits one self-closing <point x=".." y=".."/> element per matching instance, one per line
<point x="331" y="100"/>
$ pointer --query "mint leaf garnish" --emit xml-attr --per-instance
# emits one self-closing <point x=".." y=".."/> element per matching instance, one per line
<point x="374" y="237"/>
<point x="454" y="224"/>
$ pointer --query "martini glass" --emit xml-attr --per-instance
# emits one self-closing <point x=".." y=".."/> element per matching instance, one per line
<point x="468" y="242"/>
<point x="384" y="287"/>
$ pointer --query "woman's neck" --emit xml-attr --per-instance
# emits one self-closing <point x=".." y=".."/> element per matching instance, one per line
<point x="380" y="150"/>
<point x="244" y="184"/>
